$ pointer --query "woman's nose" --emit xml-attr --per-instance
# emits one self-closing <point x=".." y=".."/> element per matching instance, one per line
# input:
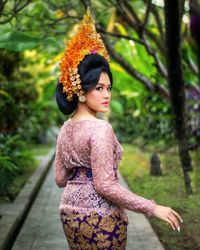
<point x="106" y="94"/>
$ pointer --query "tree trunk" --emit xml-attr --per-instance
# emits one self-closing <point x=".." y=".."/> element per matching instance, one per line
<point x="176" y="84"/>
<point x="198" y="61"/>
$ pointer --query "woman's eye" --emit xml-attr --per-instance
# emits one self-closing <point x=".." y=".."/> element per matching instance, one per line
<point x="99" y="88"/>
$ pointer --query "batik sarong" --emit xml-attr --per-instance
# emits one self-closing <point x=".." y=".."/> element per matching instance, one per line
<point x="93" y="231"/>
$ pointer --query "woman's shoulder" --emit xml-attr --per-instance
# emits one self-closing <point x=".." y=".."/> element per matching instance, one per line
<point x="96" y="122"/>
<point x="92" y="126"/>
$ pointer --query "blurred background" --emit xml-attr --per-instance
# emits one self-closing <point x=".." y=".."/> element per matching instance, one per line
<point x="155" y="110"/>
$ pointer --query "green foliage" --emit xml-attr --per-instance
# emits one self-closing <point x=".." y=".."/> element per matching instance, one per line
<point x="19" y="41"/>
<point x="137" y="56"/>
<point x="15" y="159"/>
<point x="28" y="116"/>
<point x="136" y="112"/>
<point x="17" y="101"/>
<point x="9" y="65"/>
<point x="25" y="118"/>
<point x="139" y="111"/>
<point x="31" y="113"/>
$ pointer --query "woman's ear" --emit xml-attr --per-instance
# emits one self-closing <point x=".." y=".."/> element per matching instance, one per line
<point x="81" y="98"/>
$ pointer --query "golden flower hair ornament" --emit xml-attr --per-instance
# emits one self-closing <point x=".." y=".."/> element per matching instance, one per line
<point x="86" y="41"/>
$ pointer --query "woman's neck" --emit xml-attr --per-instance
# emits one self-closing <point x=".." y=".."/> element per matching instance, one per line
<point x="83" y="112"/>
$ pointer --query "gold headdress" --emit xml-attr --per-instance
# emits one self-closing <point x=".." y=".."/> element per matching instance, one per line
<point x="85" y="41"/>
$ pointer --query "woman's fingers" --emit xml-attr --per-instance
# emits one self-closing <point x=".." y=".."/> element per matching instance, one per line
<point x="174" y="221"/>
<point x="170" y="223"/>
<point x="177" y="215"/>
<point x="173" y="216"/>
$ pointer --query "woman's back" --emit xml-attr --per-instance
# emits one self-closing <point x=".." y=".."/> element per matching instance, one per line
<point x="76" y="150"/>
<point x="75" y="145"/>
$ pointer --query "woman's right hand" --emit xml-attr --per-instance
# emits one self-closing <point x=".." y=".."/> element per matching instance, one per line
<point x="168" y="215"/>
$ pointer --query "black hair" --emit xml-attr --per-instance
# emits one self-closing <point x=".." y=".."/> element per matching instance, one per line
<point x="89" y="70"/>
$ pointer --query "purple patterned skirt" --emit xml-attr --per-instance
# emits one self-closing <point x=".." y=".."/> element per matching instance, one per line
<point x="85" y="232"/>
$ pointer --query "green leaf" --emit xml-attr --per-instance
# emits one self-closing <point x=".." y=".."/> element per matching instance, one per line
<point x="4" y="93"/>
<point x="7" y="164"/>
<point x="19" y="41"/>
<point x="117" y="107"/>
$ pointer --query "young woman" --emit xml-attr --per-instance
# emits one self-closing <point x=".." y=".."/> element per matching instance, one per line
<point x="93" y="203"/>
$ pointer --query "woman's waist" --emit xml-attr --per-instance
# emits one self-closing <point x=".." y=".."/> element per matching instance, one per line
<point x="80" y="191"/>
<point x="84" y="195"/>
<point x="80" y="174"/>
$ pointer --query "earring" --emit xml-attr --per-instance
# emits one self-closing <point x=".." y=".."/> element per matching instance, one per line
<point x="82" y="98"/>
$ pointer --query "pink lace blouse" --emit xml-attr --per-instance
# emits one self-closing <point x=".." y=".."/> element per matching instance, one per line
<point x="93" y="144"/>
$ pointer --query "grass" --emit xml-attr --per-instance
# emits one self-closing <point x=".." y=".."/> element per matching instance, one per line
<point x="167" y="190"/>
<point x="42" y="149"/>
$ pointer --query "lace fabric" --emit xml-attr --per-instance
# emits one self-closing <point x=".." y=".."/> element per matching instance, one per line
<point x="93" y="144"/>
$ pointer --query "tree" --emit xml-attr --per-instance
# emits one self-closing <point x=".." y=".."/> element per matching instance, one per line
<point x="176" y="84"/>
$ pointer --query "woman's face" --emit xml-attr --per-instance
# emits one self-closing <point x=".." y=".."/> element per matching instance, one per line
<point x="98" y="99"/>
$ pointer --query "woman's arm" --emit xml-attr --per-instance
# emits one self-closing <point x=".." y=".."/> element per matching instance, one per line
<point x="105" y="183"/>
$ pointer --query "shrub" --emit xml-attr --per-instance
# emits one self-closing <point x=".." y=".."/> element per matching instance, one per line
<point x="15" y="158"/>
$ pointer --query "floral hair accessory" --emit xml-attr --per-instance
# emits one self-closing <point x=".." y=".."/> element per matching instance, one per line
<point x="85" y="42"/>
<point x="93" y="52"/>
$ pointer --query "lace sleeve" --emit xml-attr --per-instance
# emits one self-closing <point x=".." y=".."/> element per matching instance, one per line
<point x="61" y="173"/>
<point x="105" y="183"/>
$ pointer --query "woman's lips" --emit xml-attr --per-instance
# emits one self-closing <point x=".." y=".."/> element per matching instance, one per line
<point x="105" y="103"/>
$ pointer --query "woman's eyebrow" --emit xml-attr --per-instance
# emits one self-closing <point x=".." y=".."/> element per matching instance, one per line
<point x="103" y="84"/>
